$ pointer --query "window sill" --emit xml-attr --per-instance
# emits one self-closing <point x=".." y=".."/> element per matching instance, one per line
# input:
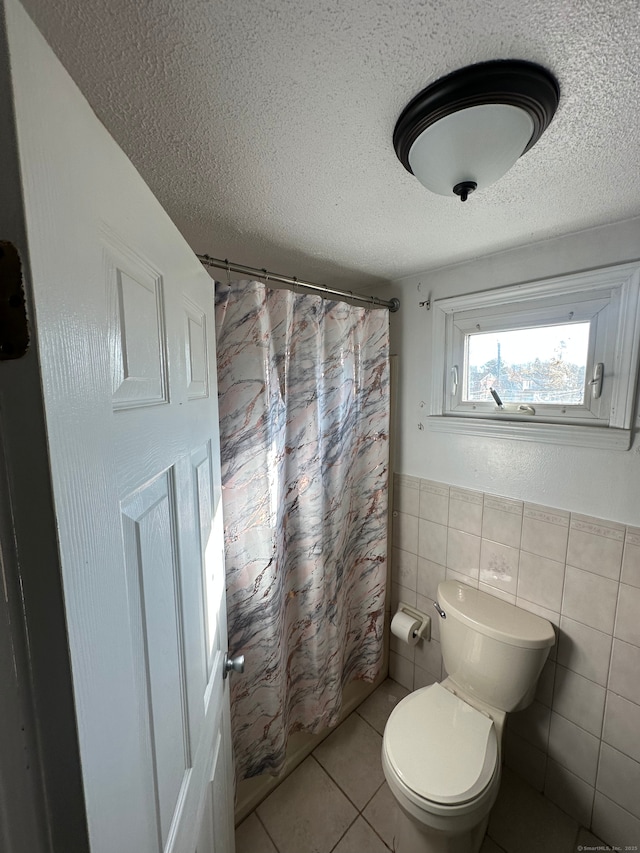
<point x="606" y="438"/>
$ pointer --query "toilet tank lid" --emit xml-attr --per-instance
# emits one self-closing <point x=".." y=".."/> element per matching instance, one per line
<point x="493" y="617"/>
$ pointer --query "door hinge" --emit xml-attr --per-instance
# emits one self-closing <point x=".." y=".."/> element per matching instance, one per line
<point x="14" y="324"/>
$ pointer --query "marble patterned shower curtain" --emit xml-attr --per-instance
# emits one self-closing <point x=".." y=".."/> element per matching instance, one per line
<point x="304" y="424"/>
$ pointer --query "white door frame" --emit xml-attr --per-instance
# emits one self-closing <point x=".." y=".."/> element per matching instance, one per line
<point x="41" y="799"/>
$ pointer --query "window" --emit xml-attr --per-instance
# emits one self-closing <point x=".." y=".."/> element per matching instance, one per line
<point x="532" y="360"/>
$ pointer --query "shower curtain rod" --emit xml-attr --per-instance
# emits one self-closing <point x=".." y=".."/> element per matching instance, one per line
<point x="374" y="301"/>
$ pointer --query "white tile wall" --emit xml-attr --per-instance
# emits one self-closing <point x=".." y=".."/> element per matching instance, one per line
<point x="579" y="741"/>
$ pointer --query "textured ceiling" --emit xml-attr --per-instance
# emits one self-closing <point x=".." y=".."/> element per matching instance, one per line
<point x="264" y="126"/>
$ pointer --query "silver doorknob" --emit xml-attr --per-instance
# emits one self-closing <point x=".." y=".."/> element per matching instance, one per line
<point x="232" y="664"/>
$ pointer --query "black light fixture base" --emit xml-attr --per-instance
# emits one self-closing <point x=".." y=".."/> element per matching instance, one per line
<point x="464" y="188"/>
<point x="503" y="81"/>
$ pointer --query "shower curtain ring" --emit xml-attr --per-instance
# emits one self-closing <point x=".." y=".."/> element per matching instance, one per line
<point x="226" y="260"/>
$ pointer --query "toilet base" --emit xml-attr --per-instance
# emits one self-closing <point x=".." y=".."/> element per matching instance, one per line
<point x="415" y="837"/>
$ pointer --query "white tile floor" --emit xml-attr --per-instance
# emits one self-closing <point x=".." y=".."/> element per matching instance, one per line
<point x="337" y="801"/>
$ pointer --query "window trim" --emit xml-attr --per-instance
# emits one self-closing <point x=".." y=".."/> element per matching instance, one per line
<point x="620" y="284"/>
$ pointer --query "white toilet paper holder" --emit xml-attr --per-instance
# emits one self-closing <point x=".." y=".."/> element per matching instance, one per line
<point x="424" y="631"/>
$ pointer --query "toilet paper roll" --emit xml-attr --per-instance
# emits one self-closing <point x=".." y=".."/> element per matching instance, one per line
<point x="405" y="628"/>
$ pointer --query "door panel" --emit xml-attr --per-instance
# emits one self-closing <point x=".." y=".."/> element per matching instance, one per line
<point x="150" y="536"/>
<point x="124" y="315"/>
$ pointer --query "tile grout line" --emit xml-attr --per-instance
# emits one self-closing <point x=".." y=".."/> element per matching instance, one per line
<point x="260" y="821"/>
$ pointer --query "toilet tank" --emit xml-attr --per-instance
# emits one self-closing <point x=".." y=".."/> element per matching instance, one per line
<point x="491" y="649"/>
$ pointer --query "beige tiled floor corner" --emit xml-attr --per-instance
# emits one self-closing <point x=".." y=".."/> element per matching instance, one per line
<point x="307" y="813"/>
<point x="523" y="821"/>
<point x="360" y="838"/>
<point x="377" y="708"/>
<point x="251" y="837"/>
<point x="337" y="801"/>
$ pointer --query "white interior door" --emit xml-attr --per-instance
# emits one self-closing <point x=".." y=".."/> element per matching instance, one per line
<point x="125" y="330"/>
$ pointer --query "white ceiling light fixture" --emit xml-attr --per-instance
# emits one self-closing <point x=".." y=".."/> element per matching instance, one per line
<point x="467" y="129"/>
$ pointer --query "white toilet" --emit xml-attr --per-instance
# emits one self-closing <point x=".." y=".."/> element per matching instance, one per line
<point x="442" y="745"/>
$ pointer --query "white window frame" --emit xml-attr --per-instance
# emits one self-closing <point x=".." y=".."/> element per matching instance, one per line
<point x="609" y="298"/>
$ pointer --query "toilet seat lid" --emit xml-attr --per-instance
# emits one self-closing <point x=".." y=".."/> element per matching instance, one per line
<point x="440" y="747"/>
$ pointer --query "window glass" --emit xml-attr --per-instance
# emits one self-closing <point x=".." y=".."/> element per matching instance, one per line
<point x="541" y="364"/>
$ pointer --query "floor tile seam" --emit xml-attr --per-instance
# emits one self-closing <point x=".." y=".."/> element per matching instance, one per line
<point x="262" y="824"/>
<point x="372" y="727"/>
<point x="381" y="785"/>
<point x="372" y="827"/>
<point x="344" y="833"/>
<point x="499" y="846"/>
<point x="336" y="783"/>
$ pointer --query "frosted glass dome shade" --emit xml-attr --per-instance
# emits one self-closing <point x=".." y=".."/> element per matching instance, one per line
<point x="478" y="144"/>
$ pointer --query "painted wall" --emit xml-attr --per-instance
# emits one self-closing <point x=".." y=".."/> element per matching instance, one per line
<point x="601" y="483"/>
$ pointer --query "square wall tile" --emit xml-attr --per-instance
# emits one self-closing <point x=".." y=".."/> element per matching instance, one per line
<point x="465" y="510"/>
<point x="430" y="574"/>
<point x="401" y="648"/>
<point x="425" y="605"/>
<point x="622" y="725"/>
<point x="502" y="521"/>
<point x="434" y="502"/>
<point x="405" y="532"/>
<point x="579" y="700"/>
<point x="532" y="724"/>
<point x="429" y="657"/>
<point x="463" y="553"/>
<point x="584" y="650"/>
<point x="590" y="599"/>
<point x="544" y="690"/>
<point x="404" y="568"/>
<point x="540" y="580"/>
<point x="406" y="494"/>
<point x="631" y="557"/>
<point x="596" y="545"/>
<point x="525" y="759"/>
<point x="498" y="593"/>
<point x="499" y="566"/>
<point x="628" y="615"/>
<point x="619" y="779"/>
<point x="401" y="670"/>
<point x="568" y="791"/>
<point x="432" y="542"/>
<point x="573" y="748"/>
<point x="545" y="531"/>
<point x="422" y="678"/>
<point x="401" y="593"/>
<point x="625" y="666"/>
<point x="462" y="578"/>
<point x="614" y="825"/>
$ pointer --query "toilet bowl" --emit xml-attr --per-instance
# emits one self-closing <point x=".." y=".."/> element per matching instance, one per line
<point x="441" y="751"/>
